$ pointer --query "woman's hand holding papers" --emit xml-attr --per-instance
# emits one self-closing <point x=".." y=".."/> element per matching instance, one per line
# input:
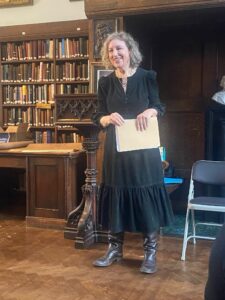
<point x="114" y="118"/>
<point x="142" y="119"/>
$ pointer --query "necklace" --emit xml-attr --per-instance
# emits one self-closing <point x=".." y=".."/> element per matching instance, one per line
<point x="123" y="82"/>
<point x="126" y="74"/>
<point x="123" y="77"/>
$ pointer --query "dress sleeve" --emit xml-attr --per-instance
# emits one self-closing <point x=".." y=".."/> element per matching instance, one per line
<point x="101" y="106"/>
<point x="154" y="100"/>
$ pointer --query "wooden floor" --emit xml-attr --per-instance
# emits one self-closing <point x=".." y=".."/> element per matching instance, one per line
<point x="40" y="264"/>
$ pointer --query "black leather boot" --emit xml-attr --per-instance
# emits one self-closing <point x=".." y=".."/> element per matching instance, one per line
<point x="114" y="252"/>
<point x="150" y="247"/>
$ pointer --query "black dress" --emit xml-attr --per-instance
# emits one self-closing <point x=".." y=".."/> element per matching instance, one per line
<point x="132" y="194"/>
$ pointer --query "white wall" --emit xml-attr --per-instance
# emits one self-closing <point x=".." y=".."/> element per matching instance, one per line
<point x="42" y="11"/>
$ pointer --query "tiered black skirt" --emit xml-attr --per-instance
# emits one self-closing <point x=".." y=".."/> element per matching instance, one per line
<point x="132" y="195"/>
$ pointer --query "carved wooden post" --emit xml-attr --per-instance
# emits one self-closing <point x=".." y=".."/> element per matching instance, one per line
<point x="77" y="110"/>
<point x="84" y="217"/>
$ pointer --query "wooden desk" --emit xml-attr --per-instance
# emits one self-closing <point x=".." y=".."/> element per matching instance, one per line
<point x="53" y="181"/>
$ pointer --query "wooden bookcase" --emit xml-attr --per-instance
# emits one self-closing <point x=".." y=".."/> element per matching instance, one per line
<point x="37" y="66"/>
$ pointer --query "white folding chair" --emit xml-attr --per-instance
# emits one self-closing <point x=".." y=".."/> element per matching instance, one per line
<point x="209" y="173"/>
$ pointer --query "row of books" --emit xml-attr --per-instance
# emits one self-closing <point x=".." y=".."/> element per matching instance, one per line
<point x="69" y="137"/>
<point x="32" y="94"/>
<point x="28" y="94"/>
<point x="49" y="136"/>
<point x="42" y="71"/>
<point x="72" y="89"/>
<point x="71" y="47"/>
<point x="44" y="49"/>
<point x="25" y="50"/>
<point x="70" y="71"/>
<point x="30" y="72"/>
<point x="31" y="115"/>
<point x="44" y="136"/>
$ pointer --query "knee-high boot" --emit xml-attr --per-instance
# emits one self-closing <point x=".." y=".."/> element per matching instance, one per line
<point x="114" y="252"/>
<point x="150" y="248"/>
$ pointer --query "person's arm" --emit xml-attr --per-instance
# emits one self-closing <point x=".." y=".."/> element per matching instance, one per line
<point x="154" y="99"/>
<point x="155" y="107"/>
<point x="102" y="116"/>
<point x="102" y="110"/>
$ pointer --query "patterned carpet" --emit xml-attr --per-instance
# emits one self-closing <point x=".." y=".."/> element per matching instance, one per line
<point x="177" y="229"/>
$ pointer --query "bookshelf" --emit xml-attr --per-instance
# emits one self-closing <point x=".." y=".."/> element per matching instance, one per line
<point x="37" y="67"/>
<point x="68" y="134"/>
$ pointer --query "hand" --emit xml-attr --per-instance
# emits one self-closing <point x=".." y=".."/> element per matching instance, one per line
<point x="142" y="119"/>
<point x="114" y="118"/>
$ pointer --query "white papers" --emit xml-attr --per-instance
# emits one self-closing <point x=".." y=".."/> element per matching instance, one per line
<point x="128" y="138"/>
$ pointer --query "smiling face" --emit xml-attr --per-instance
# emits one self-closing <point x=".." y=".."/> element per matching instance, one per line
<point x="119" y="54"/>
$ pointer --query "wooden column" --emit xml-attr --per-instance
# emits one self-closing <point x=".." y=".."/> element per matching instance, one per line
<point x="82" y="222"/>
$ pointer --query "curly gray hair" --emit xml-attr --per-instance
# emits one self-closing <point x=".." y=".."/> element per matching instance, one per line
<point x="132" y="45"/>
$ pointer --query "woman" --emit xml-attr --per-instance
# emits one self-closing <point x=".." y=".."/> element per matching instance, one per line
<point x="132" y="194"/>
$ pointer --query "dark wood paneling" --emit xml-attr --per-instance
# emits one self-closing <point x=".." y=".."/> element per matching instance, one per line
<point x="124" y="7"/>
<point x="179" y="70"/>
<point x="187" y="51"/>
<point x="17" y="162"/>
<point x="45" y="199"/>
<point x="221" y="58"/>
<point x="179" y="61"/>
<point x="183" y="136"/>
<point x="210" y="70"/>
